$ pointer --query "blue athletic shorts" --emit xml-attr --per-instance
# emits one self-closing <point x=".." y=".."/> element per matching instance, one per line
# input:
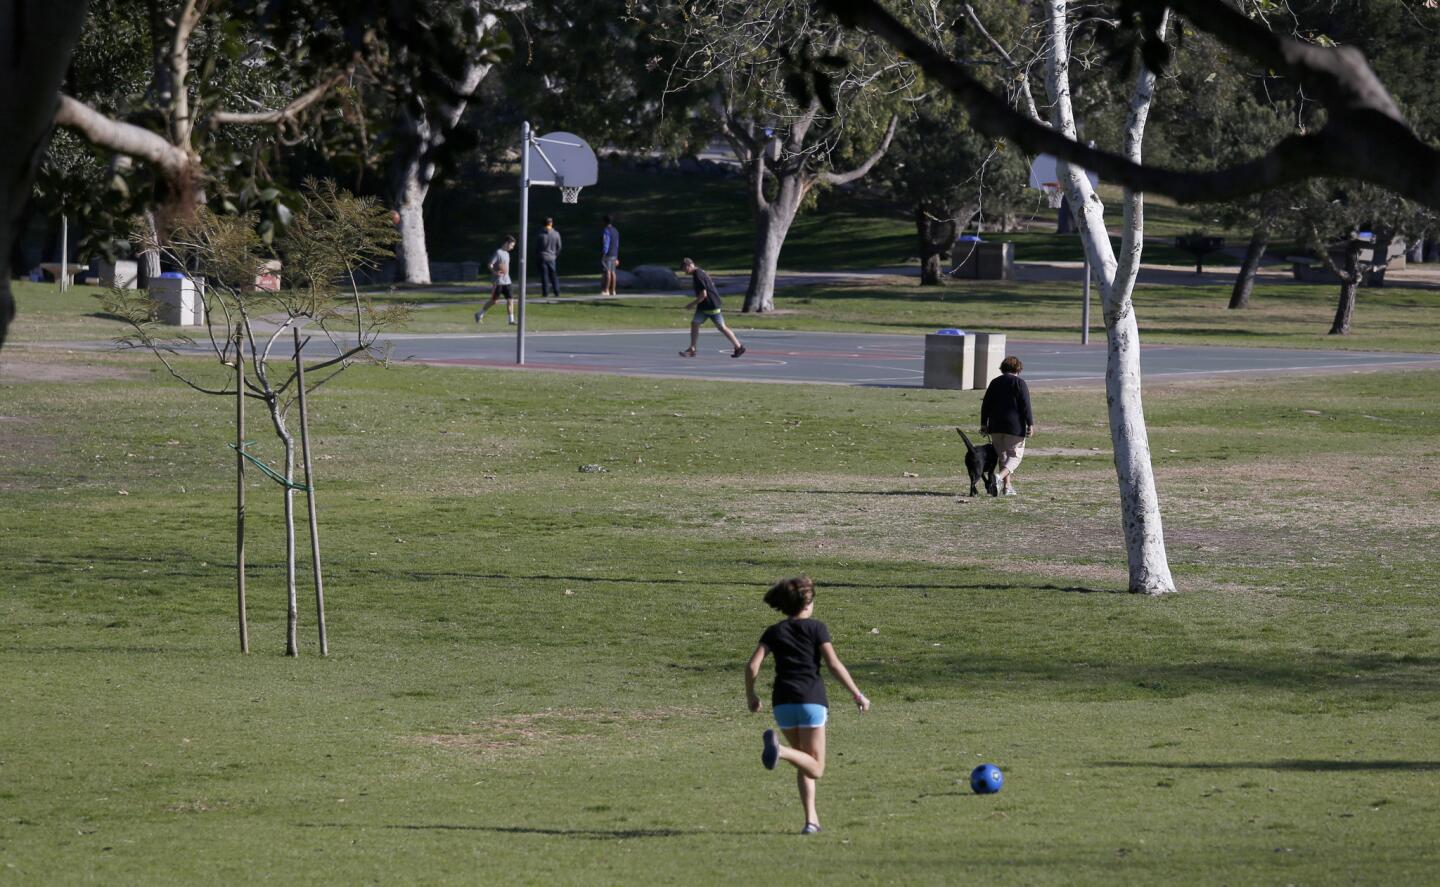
<point x="702" y="316"/>
<point x="800" y="714"/>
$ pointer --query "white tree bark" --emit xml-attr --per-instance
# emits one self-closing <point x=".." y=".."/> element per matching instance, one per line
<point x="1139" y="501"/>
<point x="773" y="217"/>
<point x="36" y="37"/>
<point x="415" y="157"/>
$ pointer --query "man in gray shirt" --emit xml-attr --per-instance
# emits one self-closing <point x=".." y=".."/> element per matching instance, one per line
<point x="549" y="252"/>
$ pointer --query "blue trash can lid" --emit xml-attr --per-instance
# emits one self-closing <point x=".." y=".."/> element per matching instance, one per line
<point x="969" y="238"/>
<point x="173" y="275"/>
<point x="950" y="331"/>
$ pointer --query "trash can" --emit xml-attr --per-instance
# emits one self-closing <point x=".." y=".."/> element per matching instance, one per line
<point x="949" y="359"/>
<point x="989" y="351"/>
<point x="984" y="260"/>
<point x="181" y="303"/>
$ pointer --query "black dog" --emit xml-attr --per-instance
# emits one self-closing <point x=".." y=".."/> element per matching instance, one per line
<point x="981" y="464"/>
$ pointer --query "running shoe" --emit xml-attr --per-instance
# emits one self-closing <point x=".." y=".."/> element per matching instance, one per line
<point x="739" y="351"/>
<point x="770" y="755"/>
<point x="811" y="828"/>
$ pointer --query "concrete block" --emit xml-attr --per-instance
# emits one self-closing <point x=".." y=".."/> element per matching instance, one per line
<point x="121" y="274"/>
<point x="989" y="351"/>
<point x="949" y="361"/>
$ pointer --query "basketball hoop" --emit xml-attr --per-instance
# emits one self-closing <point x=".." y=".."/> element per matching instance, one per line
<point x="569" y="194"/>
<point x="1054" y="194"/>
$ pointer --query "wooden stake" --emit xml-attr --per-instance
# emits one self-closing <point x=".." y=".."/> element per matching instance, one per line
<point x="240" y="492"/>
<point x="310" y="498"/>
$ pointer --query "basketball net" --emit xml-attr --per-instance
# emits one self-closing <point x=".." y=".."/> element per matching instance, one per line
<point x="572" y="195"/>
<point x="1054" y="194"/>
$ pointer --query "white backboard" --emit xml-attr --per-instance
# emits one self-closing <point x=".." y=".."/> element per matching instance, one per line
<point x="1043" y="172"/>
<point x="561" y="158"/>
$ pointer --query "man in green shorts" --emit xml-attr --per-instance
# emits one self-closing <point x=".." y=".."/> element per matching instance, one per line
<point x="707" y="307"/>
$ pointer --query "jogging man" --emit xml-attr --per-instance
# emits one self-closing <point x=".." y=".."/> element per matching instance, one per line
<point x="609" y="258"/>
<point x="707" y="307"/>
<point x="500" y="273"/>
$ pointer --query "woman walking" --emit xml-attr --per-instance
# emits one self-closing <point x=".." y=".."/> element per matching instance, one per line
<point x="1005" y="415"/>
<point x="799" y="643"/>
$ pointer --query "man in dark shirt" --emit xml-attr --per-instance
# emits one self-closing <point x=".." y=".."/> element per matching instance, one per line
<point x="549" y="252"/>
<point x="707" y="307"/>
<point x="1005" y="415"/>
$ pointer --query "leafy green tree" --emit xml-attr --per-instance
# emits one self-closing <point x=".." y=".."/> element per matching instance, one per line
<point x="753" y="64"/>
<point x="948" y="175"/>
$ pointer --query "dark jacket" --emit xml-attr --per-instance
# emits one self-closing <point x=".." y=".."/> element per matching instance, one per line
<point x="549" y="243"/>
<point x="1006" y="407"/>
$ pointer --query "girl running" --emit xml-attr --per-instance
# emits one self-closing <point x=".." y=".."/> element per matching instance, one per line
<point x="798" y="698"/>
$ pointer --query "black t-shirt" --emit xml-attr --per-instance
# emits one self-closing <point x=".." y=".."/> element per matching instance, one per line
<point x="704" y="285"/>
<point x="795" y="644"/>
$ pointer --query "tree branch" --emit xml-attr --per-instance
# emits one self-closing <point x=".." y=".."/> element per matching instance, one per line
<point x="1022" y="74"/>
<point x="1364" y="139"/>
<point x="287" y="114"/>
<point x="121" y="137"/>
<point x="845" y="178"/>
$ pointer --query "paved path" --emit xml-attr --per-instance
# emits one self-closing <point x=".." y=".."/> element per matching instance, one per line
<point x="857" y="359"/>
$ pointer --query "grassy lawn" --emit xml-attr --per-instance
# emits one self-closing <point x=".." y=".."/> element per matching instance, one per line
<point x="536" y="672"/>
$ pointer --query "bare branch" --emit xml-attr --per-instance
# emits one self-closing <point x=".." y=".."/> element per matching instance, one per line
<point x="288" y="114"/>
<point x="844" y="178"/>
<point x="121" y="137"/>
<point x="1364" y="139"/>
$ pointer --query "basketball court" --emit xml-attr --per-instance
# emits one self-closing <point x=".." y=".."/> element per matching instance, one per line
<point x="857" y="359"/>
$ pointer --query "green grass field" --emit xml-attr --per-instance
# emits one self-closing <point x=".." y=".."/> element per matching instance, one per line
<point x="536" y="672"/>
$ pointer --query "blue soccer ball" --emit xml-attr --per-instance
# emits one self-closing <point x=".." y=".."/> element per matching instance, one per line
<point x="986" y="779"/>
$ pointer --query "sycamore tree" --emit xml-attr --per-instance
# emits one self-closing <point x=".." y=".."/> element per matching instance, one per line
<point x="1365" y="134"/>
<point x="949" y="176"/>
<point x="430" y="76"/>
<point x="199" y="94"/>
<point x="754" y="64"/>
<point x="255" y="339"/>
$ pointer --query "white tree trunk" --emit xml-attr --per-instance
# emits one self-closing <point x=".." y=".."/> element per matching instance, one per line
<point x="1139" y="501"/>
<point x="772" y="223"/>
<point x="411" y="253"/>
<point x="415" y="157"/>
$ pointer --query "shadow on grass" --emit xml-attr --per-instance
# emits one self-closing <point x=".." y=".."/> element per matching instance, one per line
<point x="65" y="566"/>
<point x="930" y="493"/>
<point x="1379" y="680"/>
<point x="593" y="834"/>
<point x="1303" y="765"/>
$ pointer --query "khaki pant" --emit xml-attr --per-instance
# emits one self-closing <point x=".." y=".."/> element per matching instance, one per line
<point x="1011" y="449"/>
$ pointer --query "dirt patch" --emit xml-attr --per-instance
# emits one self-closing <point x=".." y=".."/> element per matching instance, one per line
<point x="19" y="371"/>
<point x="532" y="732"/>
<point x="1066" y="451"/>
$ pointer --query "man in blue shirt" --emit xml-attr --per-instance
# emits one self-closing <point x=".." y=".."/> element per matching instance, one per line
<point x="609" y="258"/>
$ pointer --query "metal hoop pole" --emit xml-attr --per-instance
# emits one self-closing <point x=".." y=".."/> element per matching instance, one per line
<point x="524" y="236"/>
<point x="1085" y="311"/>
